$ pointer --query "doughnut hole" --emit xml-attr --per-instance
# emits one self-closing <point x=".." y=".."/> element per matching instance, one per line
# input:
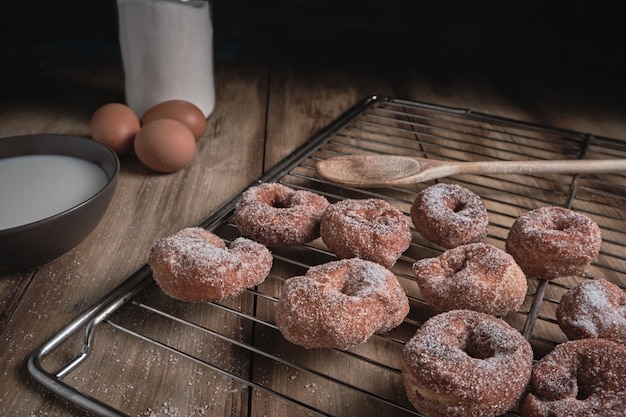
<point x="561" y="226"/>
<point x="279" y="201"/>
<point x="456" y="264"/>
<point x="477" y="347"/>
<point x="584" y="389"/>
<point x="350" y="288"/>
<point x="280" y="204"/>
<point x="456" y="206"/>
<point x="356" y="287"/>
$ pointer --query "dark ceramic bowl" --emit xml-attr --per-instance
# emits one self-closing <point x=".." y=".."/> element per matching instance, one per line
<point x="41" y="241"/>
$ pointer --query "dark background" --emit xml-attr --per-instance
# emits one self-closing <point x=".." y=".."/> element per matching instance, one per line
<point x="541" y="32"/>
<point x="461" y="30"/>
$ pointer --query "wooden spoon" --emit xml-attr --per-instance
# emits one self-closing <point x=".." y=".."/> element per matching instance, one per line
<point x="384" y="170"/>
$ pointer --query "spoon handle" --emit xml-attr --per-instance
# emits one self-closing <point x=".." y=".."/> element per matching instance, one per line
<point x="578" y="166"/>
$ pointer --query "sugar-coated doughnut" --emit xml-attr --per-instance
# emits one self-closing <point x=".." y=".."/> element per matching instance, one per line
<point x="464" y="363"/>
<point x="274" y="214"/>
<point x="552" y="242"/>
<point x="369" y="229"/>
<point x="595" y="308"/>
<point x="476" y="276"/>
<point x="340" y="304"/>
<point x="195" y="265"/>
<point x="580" y="378"/>
<point x="450" y="215"/>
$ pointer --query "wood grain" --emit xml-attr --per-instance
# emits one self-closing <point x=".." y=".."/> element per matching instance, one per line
<point x="263" y="112"/>
<point x="145" y="206"/>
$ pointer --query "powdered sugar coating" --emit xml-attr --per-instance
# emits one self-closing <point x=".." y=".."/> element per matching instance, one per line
<point x="579" y="378"/>
<point x="195" y="265"/>
<point x="450" y="215"/>
<point x="594" y="308"/>
<point x="340" y="304"/>
<point x="276" y="215"/>
<point x="369" y="229"/>
<point x="552" y="242"/>
<point x="464" y="363"/>
<point x="476" y="276"/>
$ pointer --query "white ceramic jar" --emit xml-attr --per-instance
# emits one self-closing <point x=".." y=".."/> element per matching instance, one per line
<point x="167" y="52"/>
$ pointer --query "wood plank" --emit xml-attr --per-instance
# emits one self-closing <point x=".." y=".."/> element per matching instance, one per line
<point x="12" y="286"/>
<point x="262" y="114"/>
<point x="290" y="115"/>
<point x="306" y="97"/>
<point x="146" y="206"/>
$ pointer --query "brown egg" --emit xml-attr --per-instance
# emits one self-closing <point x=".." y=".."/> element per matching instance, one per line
<point x="165" y="145"/>
<point x="181" y="110"/>
<point x="115" y="125"/>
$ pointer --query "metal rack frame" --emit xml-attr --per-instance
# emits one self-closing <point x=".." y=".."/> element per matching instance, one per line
<point x="381" y="125"/>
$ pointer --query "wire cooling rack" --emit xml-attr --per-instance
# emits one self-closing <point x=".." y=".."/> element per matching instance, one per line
<point x="229" y="358"/>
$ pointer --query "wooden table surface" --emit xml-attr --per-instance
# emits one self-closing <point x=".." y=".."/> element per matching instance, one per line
<point x="263" y="112"/>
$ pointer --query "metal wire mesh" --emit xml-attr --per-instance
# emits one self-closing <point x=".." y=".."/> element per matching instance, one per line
<point x="235" y="346"/>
